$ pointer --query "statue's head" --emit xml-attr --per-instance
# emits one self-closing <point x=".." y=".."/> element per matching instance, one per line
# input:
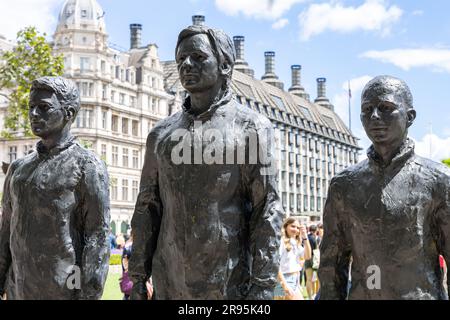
<point x="387" y="110"/>
<point x="54" y="104"/>
<point x="205" y="57"/>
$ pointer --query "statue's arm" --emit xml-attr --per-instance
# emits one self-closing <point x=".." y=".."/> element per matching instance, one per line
<point x="443" y="225"/>
<point x="266" y="219"/>
<point x="146" y="222"/>
<point x="335" y="251"/>
<point x="96" y="220"/>
<point x="5" y="221"/>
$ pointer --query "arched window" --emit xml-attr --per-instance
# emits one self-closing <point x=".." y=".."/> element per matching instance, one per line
<point x="123" y="227"/>
<point x="113" y="227"/>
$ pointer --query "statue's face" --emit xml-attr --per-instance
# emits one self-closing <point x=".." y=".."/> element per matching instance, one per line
<point x="197" y="65"/>
<point x="384" y="116"/>
<point x="46" y="114"/>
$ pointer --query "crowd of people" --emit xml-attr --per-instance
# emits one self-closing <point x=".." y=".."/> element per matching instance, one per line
<point x="124" y="244"/>
<point x="299" y="261"/>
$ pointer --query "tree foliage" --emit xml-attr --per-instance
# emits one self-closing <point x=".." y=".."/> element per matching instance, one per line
<point x="31" y="58"/>
<point x="446" y="162"/>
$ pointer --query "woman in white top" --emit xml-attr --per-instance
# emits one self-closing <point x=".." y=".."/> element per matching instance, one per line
<point x="294" y="247"/>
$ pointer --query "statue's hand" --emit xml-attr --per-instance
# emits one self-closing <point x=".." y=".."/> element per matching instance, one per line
<point x="139" y="291"/>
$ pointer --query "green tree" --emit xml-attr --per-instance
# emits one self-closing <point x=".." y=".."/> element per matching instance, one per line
<point x="446" y="162"/>
<point x="31" y="58"/>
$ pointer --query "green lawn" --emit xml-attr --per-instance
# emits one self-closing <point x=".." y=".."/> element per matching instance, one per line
<point x="112" y="288"/>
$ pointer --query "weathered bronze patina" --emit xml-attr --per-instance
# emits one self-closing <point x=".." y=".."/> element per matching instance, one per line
<point x="55" y="220"/>
<point x="389" y="214"/>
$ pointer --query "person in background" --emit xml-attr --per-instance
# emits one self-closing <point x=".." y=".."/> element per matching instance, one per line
<point x="126" y="285"/>
<point x="294" y="237"/>
<point x="112" y="239"/>
<point x="309" y="272"/>
<point x="120" y="241"/>
<point x="319" y="234"/>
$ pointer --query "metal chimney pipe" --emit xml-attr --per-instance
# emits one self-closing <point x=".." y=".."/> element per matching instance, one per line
<point x="135" y="35"/>
<point x="198" y="20"/>
<point x="296" y="75"/>
<point x="239" y="45"/>
<point x="321" y="87"/>
<point x="270" y="61"/>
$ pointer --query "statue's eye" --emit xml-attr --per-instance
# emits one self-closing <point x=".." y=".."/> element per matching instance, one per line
<point x="367" y="109"/>
<point x="43" y="107"/>
<point x="181" y="58"/>
<point x="198" y="56"/>
<point x="384" y="108"/>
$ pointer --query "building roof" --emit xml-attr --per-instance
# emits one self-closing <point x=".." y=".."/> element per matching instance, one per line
<point x="74" y="13"/>
<point x="278" y="105"/>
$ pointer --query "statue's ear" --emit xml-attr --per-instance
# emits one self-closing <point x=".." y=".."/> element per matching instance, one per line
<point x="411" y="113"/>
<point x="225" y="68"/>
<point x="70" y="113"/>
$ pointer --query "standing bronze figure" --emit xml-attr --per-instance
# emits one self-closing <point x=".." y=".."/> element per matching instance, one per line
<point x="55" y="220"/>
<point x="390" y="214"/>
<point x="207" y="229"/>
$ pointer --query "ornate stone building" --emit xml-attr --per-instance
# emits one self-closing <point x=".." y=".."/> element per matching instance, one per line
<point x="125" y="92"/>
<point x="122" y="97"/>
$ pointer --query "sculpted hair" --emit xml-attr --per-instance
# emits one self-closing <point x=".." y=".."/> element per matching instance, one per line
<point x="390" y="84"/>
<point x="221" y="44"/>
<point x="66" y="91"/>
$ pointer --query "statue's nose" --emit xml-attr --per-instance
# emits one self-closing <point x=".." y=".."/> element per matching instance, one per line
<point x="375" y="114"/>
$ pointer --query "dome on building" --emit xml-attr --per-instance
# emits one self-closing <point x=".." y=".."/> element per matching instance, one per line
<point x="79" y="13"/>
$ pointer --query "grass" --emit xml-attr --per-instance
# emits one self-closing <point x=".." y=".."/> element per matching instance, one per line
<point x="112" y="288"/>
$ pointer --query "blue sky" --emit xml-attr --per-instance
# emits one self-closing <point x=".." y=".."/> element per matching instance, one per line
<point x="342" y="40"/>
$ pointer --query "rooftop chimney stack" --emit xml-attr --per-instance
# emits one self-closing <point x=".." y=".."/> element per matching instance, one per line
<point x="239" y="45"/>
<point x="270" y="62"/>
<point x="240" y="64"/>
<point x="296" y="87"/>
<point x="135" y="35"/>
<point x="198" y="20"/>
<point x="321" y="87"/>
<point x="296" y="75"/>
<point x="270" y="77"/>
<point x="322" y="99"/>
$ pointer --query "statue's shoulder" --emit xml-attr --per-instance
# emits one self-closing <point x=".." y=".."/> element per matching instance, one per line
<point x="167" y="124"/>
<point x="434" y="168"/>
<point x="352" y="174"/>
<point x="88" y="157"/>
<point x="251" y="116"/>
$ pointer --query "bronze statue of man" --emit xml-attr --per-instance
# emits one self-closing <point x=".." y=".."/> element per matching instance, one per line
<point x="207" y="229"/>
<point x="390" y="214"/>
<point x="55" y="221"/>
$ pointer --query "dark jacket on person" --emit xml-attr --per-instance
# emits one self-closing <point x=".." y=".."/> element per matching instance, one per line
<point x="207" y="231"/>
<point x="54" y="227"/>
<point x="394" y="220"/>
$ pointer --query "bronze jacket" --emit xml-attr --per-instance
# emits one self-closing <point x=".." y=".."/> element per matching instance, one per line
<point x="393" y="222"/>
<point x="207" y="231"/>
<point x="55" y="217"/>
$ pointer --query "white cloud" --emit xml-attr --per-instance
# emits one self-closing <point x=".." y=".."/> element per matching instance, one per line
<point x="417" y="13"/>
<point x="372" y="15"/>
<point x="280" y="24"/>
<point x="340" y="102"/>
<point x="436" y="58"/>
<point x="262" y="9"/>
<point x="18" y="14"/>
<point x="433" y="147"/>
